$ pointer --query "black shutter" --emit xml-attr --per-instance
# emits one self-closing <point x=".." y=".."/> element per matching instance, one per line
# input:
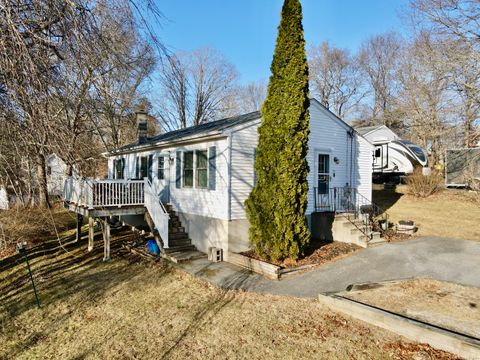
<point x="178" y="170"/>
<point x="137" y="167"/>
<point x="212" y="173"/>
<point x="150" y="167"/>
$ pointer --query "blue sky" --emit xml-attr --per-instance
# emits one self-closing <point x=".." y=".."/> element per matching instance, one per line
<point x="245" y="30"/>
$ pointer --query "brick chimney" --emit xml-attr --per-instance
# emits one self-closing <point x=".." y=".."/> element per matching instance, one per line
<point x="142" y="126"/>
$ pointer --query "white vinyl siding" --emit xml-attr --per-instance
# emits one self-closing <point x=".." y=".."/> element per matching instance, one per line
<point x="244" y="143"/>
<point x="195" y="201"/>
<point x="327" y="136"/>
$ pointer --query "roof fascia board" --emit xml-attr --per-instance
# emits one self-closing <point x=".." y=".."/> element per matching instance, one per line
<point x="165" y="144"/>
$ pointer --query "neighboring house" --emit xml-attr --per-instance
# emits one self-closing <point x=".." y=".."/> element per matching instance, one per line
<point x="377" y="134"/>
<point x="392" y="156"/>
<point x="205" y="174"/>
<point x="3" y="199"/>
<point x="56" y="170"/>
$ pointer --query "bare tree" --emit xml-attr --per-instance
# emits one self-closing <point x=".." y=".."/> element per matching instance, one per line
<point x="335" y="78"/>
<point x="456" y="26"/>
<point x="250" y="97"/>
<point x="379" y="58"/>
<point x="174" y="80"/>
<point x="423" y="98"/>
<point x="45" y="80"/>
<point x="197" y="88"/>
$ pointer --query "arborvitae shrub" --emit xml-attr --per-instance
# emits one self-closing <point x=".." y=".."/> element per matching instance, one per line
<point x="276" y="207"/>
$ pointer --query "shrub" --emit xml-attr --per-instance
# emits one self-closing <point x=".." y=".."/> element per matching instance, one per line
<point x="32" y="225"/>
<point x="276" y="207"/>
<point x="420" y="185"/>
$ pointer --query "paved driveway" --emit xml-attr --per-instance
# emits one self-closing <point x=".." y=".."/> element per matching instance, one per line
<point x="431" y="257"/>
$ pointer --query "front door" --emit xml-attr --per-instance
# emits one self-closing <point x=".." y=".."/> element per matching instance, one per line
<point x="323" y="182"/>
<point x="163" y="177"/>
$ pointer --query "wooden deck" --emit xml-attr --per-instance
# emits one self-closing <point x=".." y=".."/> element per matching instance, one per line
<point x="102" y="199"/>
<point x="98" y="212"/>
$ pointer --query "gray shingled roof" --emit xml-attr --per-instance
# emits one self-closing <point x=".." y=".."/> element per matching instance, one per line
<point x="366" y="129"/>
<point x="204" y="129"/>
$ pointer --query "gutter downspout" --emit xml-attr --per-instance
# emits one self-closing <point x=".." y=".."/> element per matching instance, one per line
<point x="229" y="186"/>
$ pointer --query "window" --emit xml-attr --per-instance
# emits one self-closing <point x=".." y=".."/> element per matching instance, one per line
<point x="161" y="168"/>
<point x="118" y="168"/>
<point x="378" y="152"/>
<point x="188" y="169"/>
<point x="201" y="178"/>
<point x="323" y="173"/>
<point x="142" y="167"/>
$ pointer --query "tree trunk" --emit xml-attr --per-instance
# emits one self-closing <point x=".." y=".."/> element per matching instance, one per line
<point x="43" y="201"/>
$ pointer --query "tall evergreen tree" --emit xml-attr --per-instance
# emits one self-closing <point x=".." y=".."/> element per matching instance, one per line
<point x="276" y="207"/>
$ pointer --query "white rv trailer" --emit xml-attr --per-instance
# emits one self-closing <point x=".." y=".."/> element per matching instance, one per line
<point x="392" y="156"/>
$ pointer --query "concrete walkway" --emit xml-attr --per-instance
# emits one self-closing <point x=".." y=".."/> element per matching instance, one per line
<point x="429" y="257"/>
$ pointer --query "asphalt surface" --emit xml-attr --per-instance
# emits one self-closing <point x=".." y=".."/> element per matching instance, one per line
<point x="437" y="258"/>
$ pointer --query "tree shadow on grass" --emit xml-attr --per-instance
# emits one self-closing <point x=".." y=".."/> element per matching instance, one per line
<point x="78" y="274"/>
<point x="385" y="198"/>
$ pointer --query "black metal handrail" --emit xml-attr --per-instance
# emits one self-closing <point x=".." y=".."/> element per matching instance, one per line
<point x="353" y="206"/>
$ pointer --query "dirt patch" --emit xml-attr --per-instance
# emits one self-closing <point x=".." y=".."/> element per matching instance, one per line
<point x="452" y="306"/>
<point x="316" y="254"/>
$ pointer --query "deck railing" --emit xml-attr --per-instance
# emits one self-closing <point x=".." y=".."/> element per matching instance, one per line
<point x="157" y="211"/>
<point x="104" y="193"/>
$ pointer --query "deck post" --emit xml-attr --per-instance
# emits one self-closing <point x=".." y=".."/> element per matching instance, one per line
<point x="91" y="232"/>
<point x="106" y="239"/>
<point x="79" y="227"/>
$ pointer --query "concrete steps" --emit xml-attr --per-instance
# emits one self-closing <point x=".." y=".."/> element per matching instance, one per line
<point x="352" y="231"/>
<point x="183" y="255"/>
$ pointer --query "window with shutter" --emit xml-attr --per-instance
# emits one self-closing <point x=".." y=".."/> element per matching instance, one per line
<point x="188" y="169"/>
<point x="161" y="168"/>
<point x="201" y="169"/>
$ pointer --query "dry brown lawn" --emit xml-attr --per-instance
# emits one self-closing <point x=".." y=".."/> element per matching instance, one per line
<point x="445" y="304"/>
<point x="449" y="213"/>
<point x="129" y="308"/>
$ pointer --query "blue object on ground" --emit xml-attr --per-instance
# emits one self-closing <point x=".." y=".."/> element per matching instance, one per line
<point x="153" y="247"/>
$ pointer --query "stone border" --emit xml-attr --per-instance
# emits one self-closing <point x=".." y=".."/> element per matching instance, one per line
<point x="461" y="345"/>
<point x="260" y="267"/>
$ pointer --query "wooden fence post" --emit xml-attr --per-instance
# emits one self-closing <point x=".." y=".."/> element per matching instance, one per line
<point x="91" y="232"/>
<point x="79" y="227"/>
<point x="106" y="239"/>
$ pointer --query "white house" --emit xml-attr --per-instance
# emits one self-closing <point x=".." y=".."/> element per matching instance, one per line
<point x="377" y="133"/>
<point x="202" y="176"/>
<point x="3" y="199"/>
<point x="56" y="170"/>
<point x="392" y="156"/>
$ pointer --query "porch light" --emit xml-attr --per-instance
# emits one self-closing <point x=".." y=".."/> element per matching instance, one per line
<point x="336" y="160"/>
<point x="170" y="158"/>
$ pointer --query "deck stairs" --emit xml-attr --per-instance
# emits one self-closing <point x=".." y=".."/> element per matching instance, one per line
<point x="180" y="245"/>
